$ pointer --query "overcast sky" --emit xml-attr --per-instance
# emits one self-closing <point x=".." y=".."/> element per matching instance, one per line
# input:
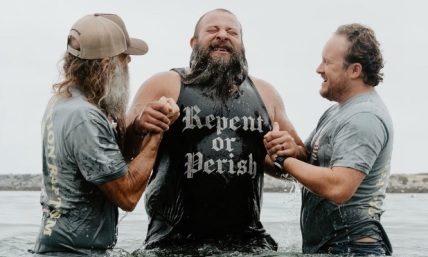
<point x="283" y="41"/>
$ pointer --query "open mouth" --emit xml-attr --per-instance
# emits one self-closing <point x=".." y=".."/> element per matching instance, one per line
<point x="324" y="79"/>
<point x="224" y="48"/>
<point x="217" y="49"/>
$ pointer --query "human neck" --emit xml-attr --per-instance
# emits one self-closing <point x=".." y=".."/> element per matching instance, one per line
<point x="357" y="89"/>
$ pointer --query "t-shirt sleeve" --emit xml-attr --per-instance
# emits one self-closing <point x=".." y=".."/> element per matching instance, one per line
<point x="358" y="142"/>
<point x="96" y="151"/>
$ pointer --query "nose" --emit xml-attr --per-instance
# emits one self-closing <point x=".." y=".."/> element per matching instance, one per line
<point x="222" y="34"/>
<point x="320" y="69"/>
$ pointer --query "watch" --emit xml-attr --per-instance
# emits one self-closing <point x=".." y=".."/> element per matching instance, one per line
<point x="279" y="165"/>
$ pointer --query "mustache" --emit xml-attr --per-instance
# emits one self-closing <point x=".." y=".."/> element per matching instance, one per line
<point x="217" y="75"/>
<point x="225" y="45"/>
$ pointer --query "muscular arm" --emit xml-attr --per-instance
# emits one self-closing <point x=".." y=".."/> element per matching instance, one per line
<point x="337" y="184"/>
<point x="275" y="106"/>
<point x="355" y="148"/>
<point x="152" y="116"/>
<point x="126" y="191"/>
<point x="297" y="147"/>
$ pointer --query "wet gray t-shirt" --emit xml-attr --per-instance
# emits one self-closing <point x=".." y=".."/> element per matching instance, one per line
<point x="357" y="134"/>
<point x="80" y="151"/>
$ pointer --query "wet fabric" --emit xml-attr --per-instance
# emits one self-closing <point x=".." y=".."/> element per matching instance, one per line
<point x="80" y="151"/>
<point x="354" y="248"/>
<point x="207" y="182"/>
<point x="357" y="134"/>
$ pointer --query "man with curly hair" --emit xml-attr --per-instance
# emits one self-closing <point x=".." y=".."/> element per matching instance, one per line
<point x="349" y="151"/>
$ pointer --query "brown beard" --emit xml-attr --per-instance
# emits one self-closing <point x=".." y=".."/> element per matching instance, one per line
<point x="217" y="75"/>
<point x="338" y="88"/>
<point x="115" y="102"/>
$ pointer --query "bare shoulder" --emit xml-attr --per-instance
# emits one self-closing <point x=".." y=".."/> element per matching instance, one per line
<point x="165" y="76"/>
<point x="165" y="83"/>
<point x="264" y="87"/>
<point x="270" y="96"/>
<point x="276" y="108"/>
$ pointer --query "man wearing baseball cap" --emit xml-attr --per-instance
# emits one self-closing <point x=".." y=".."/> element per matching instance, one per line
<point x="86" y="176"/>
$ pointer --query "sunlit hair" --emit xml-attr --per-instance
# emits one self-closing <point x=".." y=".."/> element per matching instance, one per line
<point x="89" y="76"/>
<point x="363" y="49"/>
<point x="198" y="24"/>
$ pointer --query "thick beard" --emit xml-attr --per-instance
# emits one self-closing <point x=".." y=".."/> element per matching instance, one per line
<point x="218" y="75"/>
<point x="115" y="103"/>
<point x="336" y="90"/>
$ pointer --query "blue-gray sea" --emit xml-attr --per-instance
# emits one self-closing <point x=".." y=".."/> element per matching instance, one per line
<point x="405" y="220"/>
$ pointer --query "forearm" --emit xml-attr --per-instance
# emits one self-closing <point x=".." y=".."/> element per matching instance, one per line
<point x="301" y="154"/>
<point x="322" y="181"/>
<point x="126" y="191"/>
<point x="308" y="175"/>
<point x="269" y="168"/>
<point x="133" y="143"/>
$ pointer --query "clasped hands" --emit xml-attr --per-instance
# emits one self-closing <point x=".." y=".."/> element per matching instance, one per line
<point x="280" y="143"/>
<point x="157" y="116"/>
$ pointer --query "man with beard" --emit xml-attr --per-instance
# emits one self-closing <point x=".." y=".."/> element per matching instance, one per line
<point x="85" y="176"/>
<point x="207" y="182"/>
<point x="350" y="151"/>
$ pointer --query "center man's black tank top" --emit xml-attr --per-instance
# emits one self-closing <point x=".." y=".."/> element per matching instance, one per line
<point x="208" y="177"/>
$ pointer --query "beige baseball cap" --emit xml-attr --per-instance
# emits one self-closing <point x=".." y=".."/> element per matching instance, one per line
<point x="103" y="35"/>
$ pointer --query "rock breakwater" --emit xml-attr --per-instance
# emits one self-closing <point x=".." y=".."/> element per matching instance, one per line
<point x="398" y="183"/>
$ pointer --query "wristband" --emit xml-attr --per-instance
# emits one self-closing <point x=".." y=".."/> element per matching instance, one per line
<point x="140" y="133"/>
<point x="279" y="165"/>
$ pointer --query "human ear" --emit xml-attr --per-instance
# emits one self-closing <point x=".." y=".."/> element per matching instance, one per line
<point x="355" y="70"/>
<point x="192" y="42"/>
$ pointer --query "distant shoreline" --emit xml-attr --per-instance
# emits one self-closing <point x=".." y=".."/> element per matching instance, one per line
<point x="398" y="183"/>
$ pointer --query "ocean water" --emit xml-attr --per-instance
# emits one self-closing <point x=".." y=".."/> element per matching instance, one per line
<point x="405" y="221"/>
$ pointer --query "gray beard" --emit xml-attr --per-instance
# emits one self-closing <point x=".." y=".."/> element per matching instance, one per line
<point x="115" y="103"/>
<point x="218" y="75"/>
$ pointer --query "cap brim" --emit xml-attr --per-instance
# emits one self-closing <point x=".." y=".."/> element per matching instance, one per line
<point x="137" y="47"/>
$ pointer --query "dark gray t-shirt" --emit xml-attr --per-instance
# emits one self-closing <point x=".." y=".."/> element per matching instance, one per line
<point x="357" y="134"/>
<point x="80" y="151"/>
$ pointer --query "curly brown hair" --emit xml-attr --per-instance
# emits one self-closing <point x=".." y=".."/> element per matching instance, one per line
<point x="89" y="76"/>
<point x="365" y="50"/>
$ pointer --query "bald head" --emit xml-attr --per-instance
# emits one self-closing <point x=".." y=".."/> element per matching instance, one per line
<point x="214" y="13"/>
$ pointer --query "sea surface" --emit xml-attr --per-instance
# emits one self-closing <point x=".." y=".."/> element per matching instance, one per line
<point x="405" y="221"/>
